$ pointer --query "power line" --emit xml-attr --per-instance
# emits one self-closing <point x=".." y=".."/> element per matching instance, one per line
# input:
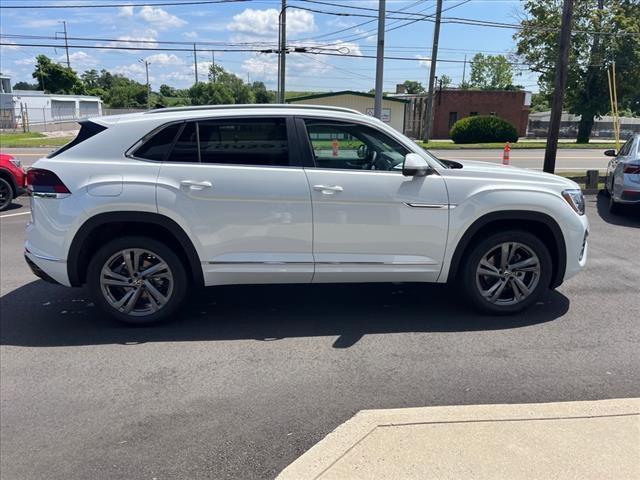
<point x="120" y="5"/>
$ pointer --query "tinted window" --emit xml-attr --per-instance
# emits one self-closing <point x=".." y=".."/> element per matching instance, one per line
<point x="186" y="146"/>
<point x="626" y="148"/>
<point x="157" y="147"/>
<point x="353" y="146"/>
<point x="244" y="142"/>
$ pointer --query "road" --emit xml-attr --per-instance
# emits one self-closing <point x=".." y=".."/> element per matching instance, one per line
<point x="246" y="379"/>
<point x="567" y="160"/>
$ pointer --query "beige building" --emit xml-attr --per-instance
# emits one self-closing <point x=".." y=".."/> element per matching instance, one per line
<point x="392" y="108"/>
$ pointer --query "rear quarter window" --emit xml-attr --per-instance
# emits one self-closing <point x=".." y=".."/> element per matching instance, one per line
<point x="158" y="146"/>
<point x="88" y="129"/>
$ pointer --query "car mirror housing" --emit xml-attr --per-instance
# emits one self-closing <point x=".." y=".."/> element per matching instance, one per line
<point x="415" y="166"/>
<point x="610" y="153"/>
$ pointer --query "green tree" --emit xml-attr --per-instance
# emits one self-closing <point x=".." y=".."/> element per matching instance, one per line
<point x="227" y="89"/>
<point x="445" y="81"/>
<point x="604" y="31"/>
<point x="125" y="93"/>
<point x="539" y="103"/>
<point x="54" y="78"/>
<point x="491" y="72"/>
<point x="261" y="94"/>
<point x="167" y="91"/>
<point x="90" y="78"/>
<point x="25" y="86"/>
<point x="413" y="87"/>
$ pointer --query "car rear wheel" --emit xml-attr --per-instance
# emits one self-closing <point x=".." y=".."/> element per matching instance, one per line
<point x="137" y="280"/>
<point x="507" y="272"/>
<point x="6" y="194"/>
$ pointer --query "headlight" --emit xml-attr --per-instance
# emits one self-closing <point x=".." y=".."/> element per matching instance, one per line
<point x="16" y="162"/>
<point x="575" y="198"/>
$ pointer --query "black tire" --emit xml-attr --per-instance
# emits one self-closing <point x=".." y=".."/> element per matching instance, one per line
<point x="159" y="251"/>
<point x="469" y="282"/>
<point x="6" y="194"/>
<point x="614" y="208"/>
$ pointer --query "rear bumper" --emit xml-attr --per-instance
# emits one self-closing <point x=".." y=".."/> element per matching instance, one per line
<point x="50" y="269"/>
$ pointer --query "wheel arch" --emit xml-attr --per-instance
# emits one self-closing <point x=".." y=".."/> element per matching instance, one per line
<point x="105" y="226"/>
<point x="540" y="224"/>
<point x="8" y="176"/>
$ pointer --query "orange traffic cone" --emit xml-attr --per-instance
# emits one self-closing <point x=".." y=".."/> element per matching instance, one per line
<point x="335" y="146"/>
<point x="506" y="155"/>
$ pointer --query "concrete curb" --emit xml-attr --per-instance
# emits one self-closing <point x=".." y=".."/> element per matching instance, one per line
<point x="573" y="439"/>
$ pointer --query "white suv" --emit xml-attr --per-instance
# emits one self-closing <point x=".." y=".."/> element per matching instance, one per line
<point x="144" y="207"/>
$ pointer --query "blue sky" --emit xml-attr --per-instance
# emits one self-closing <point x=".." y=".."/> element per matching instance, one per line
<point x="255" y="22"/>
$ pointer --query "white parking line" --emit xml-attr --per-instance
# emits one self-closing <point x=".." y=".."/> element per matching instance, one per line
<point x="15" y="214"/>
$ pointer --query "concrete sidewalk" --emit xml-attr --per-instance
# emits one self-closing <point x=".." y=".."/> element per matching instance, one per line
<point x="569" y="440"/>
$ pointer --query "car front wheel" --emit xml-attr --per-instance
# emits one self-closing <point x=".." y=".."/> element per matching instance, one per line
<point x="6" y="194"/>
<point x="137" y="280"/>
<point x="507" y="272"/>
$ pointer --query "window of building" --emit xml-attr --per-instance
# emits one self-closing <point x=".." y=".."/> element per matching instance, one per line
<point x="259" y="141"/>
<point x="344" y="145"/>
<point x="493" y="114"/>
<point x="473" y="114"/>
<point x="453" y="118"/>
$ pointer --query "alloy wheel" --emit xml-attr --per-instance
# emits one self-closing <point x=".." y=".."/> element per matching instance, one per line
<point x="508" y="273"/>
<point x="6" y="194"/>
<point x="136" y="282"/>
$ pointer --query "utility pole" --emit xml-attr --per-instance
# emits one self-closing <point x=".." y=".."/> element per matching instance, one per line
<point x="282" y="50"/>
<point x="66" y="42"/>
<point x="213" y="65"/>
<point x="146" y="67"/>
<point x="195" y="62"/>
<point x="562" y="67"/>
<point x="464" y="68"/>
<point x="432" y="72"/>
<point x="377" y="105"/>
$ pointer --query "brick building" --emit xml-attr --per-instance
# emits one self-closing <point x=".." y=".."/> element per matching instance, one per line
<point x="450" y="105"/>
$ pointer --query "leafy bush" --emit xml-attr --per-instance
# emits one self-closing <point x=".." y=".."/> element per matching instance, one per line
<point x="483" y="129"/>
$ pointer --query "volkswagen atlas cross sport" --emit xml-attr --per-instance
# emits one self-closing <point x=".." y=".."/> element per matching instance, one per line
<point x="144" y="207"/>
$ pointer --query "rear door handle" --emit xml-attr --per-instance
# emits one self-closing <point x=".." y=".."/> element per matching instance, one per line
<point x="193" y="185"/>
<point x="328" y="190"/>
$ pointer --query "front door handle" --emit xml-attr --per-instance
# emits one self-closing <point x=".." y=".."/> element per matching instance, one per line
<point x="328" y="190"/>
<point x="193" y="185"/>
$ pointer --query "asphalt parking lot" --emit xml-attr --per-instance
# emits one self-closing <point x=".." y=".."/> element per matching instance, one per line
<point x="246" y="379"/>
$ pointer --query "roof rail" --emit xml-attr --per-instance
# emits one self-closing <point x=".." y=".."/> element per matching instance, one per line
<point x="252" y="106"/>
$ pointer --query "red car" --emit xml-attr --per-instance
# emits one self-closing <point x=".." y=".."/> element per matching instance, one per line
<point x="12" y="180"/>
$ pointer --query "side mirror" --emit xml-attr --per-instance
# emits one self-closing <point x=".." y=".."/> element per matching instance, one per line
<point x="415" y="166"/>
<point x="610" y="153"/>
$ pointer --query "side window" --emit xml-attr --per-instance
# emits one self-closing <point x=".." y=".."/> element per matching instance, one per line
<point x="186" y="146"/>
<point x="157" y="147"/>
<point x="258" y="141"/>
<point x="624" y="151"/>
<point x="352" y="146"/>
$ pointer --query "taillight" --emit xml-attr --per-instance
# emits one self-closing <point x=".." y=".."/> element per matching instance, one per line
<point x="45" y="183"/>
<point x="632" y="168"/>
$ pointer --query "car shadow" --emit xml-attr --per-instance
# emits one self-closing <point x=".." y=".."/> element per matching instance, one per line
<point x="629" y="215"/>
<point x="12" y="206"/>
<point x="42" y="315"/>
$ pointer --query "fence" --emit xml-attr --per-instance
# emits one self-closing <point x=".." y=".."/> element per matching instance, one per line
<point x="51" y="119"/>
<point x="602" y="127"/>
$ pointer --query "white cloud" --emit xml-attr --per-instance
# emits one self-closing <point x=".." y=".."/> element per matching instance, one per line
<point x="26" y="61"/>
<point x="190" y="35"/>
<point x="163" y="59"/>
<point x="10" y="45"/>
<point x="146" y="40"/>
<point x="43" y="23"/>
<point x="424" y="62"/>
<point x="79" y="60"/>
<point x="264" y="23"/>
<point x="126" y="11"/>
<point x="160" y="19"/>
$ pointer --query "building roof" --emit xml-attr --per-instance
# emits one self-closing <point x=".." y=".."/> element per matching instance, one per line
<point x="343" y="92"/>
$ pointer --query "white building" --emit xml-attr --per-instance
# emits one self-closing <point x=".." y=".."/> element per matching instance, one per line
<point x="36" y="108"/>
<point x="392" y="108"/>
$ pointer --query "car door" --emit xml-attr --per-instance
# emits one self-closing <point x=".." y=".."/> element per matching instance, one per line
<point x="235" y="187"/>
<point x="371" y="223"/>
<point x="615" y="173"/>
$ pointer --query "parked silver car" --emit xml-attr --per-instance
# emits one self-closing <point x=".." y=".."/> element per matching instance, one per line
<point x="623" y="175"/>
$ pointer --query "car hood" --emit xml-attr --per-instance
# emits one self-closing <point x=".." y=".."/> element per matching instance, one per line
<point x="499" y="172"/>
